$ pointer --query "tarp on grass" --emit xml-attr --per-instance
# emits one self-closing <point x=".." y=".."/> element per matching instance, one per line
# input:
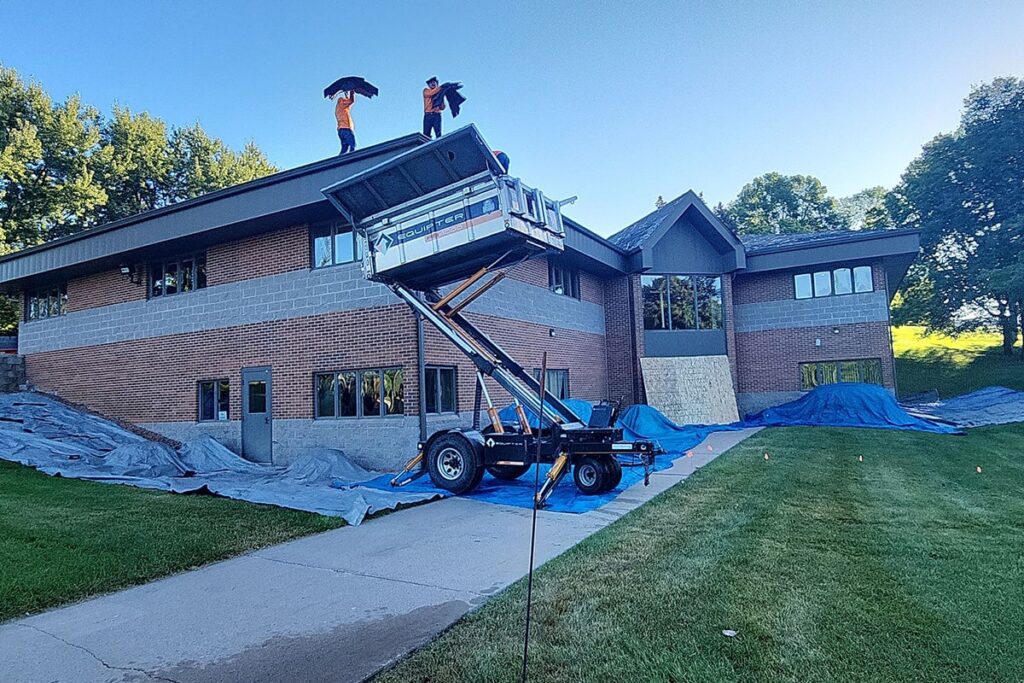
<point x="988" y="406"/>
<point x="58" y="440"/>
<point x="846" y="405"/>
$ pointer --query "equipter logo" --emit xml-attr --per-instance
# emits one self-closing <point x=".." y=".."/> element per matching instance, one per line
<point x="386" y="240"/>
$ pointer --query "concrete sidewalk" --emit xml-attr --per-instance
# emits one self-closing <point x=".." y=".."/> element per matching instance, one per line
<point x="337" y="606"/>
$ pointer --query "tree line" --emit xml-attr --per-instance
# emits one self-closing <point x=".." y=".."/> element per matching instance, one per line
<point x="64" y="166"/>
<point x="964" y="192"/>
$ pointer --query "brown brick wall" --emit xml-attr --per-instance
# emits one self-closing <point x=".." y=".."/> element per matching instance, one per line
<point x="728" y="291"/>
<point x="776" y="286"/>
<point x="271" y="253"/>
<point x="535" y="272"/>
<point x="154" y="380"/>
<point x="105" y="288"/>
<point x="622" y="331"/>
<point x="769" y="360"/>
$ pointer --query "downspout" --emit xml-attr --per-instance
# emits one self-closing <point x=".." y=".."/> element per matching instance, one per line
<point x="421" y="375"/>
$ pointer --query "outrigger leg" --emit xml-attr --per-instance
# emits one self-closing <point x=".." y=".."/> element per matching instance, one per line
<point x="551" y="479"/>
<point x="407" y="475"/>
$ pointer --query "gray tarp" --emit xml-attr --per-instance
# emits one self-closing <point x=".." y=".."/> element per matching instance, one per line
<point x="988" y="406"/>
<point x="61" y="441"/>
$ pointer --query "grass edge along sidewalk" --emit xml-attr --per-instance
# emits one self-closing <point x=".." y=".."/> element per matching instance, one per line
<point x="903" y="565"/>
<point x="63" y="540"/>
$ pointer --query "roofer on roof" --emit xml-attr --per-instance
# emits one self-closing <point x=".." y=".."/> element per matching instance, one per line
<point x="431" y="113"/>
<point x="343" y="102"/>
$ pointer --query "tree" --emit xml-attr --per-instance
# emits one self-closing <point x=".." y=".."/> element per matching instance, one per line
<point x="774" y="203"/>
<point x="63" y="167"/>
<point x="47" y="172"/>
<point x="133" y="165"/>
<point x="965" y="192"/>
<point x="866" y="210"/>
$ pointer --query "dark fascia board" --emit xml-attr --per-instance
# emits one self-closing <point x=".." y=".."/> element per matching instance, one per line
<point x="735" y="256"/>
<point x="605" y="258"/>
<point x="856" y="247"/>
<point x="280" y="192"/>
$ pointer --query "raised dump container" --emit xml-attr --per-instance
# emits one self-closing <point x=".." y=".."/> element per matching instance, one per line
<point x="439" y="212"/>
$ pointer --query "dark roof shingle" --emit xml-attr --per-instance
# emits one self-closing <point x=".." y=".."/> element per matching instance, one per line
<point x="764" y="243"/>
<point x="633" y="236"/>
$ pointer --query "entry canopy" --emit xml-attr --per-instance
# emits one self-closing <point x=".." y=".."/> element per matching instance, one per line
<point x="450" y="159"/>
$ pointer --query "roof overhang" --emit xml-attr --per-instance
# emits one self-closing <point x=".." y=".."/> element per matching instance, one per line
<point x="897" y="249"/>
<point x="288" y="197"/>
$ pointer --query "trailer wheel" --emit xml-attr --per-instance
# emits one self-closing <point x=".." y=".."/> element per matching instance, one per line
<point x="508" y="472"/>
<point x="590" y="475"/>
<point x="614" y="469"/>
<point x="453" y="464"/>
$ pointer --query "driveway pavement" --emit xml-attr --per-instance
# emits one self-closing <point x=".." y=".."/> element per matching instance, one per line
<point x="337" y="606"/>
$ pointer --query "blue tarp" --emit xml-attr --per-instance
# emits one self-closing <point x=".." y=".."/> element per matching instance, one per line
<point x="846" y="405"/>
<point x="988" y="406"/>
<point x="637" y="422"/>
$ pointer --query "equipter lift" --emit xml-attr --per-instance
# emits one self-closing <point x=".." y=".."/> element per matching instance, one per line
<point x="446" y="212"/>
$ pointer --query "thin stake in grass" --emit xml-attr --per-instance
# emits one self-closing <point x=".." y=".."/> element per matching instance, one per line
<point x="533" y="526"/>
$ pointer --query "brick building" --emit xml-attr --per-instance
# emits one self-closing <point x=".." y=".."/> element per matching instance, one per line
<point x="244" y="315"/>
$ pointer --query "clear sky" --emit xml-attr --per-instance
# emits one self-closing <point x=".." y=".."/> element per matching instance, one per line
<point x="616" y="102"/>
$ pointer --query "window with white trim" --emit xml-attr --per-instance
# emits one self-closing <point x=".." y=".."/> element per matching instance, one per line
<point x="835" y="282"/>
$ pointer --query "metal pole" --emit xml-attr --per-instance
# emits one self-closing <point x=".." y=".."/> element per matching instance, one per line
<point x="422" y="379"/>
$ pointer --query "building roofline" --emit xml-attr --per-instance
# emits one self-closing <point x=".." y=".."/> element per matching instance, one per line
<point x="853" y="236"/>
<point x="280" y="176"/>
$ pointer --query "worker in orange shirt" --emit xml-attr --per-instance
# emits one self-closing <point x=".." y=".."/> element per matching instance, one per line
<point x="342" y="103"/>
<point x="432" y="114"/>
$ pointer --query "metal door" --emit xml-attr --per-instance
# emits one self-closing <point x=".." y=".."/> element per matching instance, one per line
<point x="257" y="415"/>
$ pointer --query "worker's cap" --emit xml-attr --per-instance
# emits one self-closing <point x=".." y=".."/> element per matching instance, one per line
<point x="432" y="79"/>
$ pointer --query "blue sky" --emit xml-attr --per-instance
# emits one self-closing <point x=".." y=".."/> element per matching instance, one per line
<point x="616" y="102"/>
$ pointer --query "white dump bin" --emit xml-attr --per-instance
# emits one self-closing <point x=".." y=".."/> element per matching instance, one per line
<point x="452" y="236"/>
<point x="437" y="213"/>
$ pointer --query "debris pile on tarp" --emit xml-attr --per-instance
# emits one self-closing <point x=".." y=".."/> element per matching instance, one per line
<point x="988" y="406"/>
<point x="846" y="405"/>
<point x="58" y="440"/>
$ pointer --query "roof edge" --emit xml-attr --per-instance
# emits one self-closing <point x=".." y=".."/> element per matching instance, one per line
<point x="272" y="179"/>
<point x="854" y="236"/>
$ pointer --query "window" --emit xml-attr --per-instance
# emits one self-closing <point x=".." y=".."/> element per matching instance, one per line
<point x="867" y="371"/>
<point x="214" y="400"/>
<point x="47" y="303"/>
<point x="556" y="384"/>
<point x="682" y="302"/>
<point x="563" y="280"/>
<point x="862" y="281"/>
<point x="439" y="390"/>
<point x="333" y="245"/>
<point x="257" y="397"/>
<point x="833" y="282"/>
<point x="177" y="276"/>
<point x="802" y="285"/>
<point x="362" y="393"/>
<point x="822" y="283"/>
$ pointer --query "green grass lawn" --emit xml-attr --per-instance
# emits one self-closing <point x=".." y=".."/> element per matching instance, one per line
<point x="953" y="365"/>
<point x="906" y="566"/>
<point x="62" y="540"/>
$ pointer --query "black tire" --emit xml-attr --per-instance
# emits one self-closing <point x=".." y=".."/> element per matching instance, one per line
<point x="453" y="464"/>
<point x="590" y="475"/>
<point x="614" y="468"/>
<point x="508" y="472"/>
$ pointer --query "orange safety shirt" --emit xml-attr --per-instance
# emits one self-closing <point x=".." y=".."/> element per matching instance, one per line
<point x="428" y="103"/>
<point x="341" y="113"/>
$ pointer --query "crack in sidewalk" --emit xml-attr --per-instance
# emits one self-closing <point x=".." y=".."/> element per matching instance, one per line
<point x="92" y="654"/>
<point x="366" y="575"/>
